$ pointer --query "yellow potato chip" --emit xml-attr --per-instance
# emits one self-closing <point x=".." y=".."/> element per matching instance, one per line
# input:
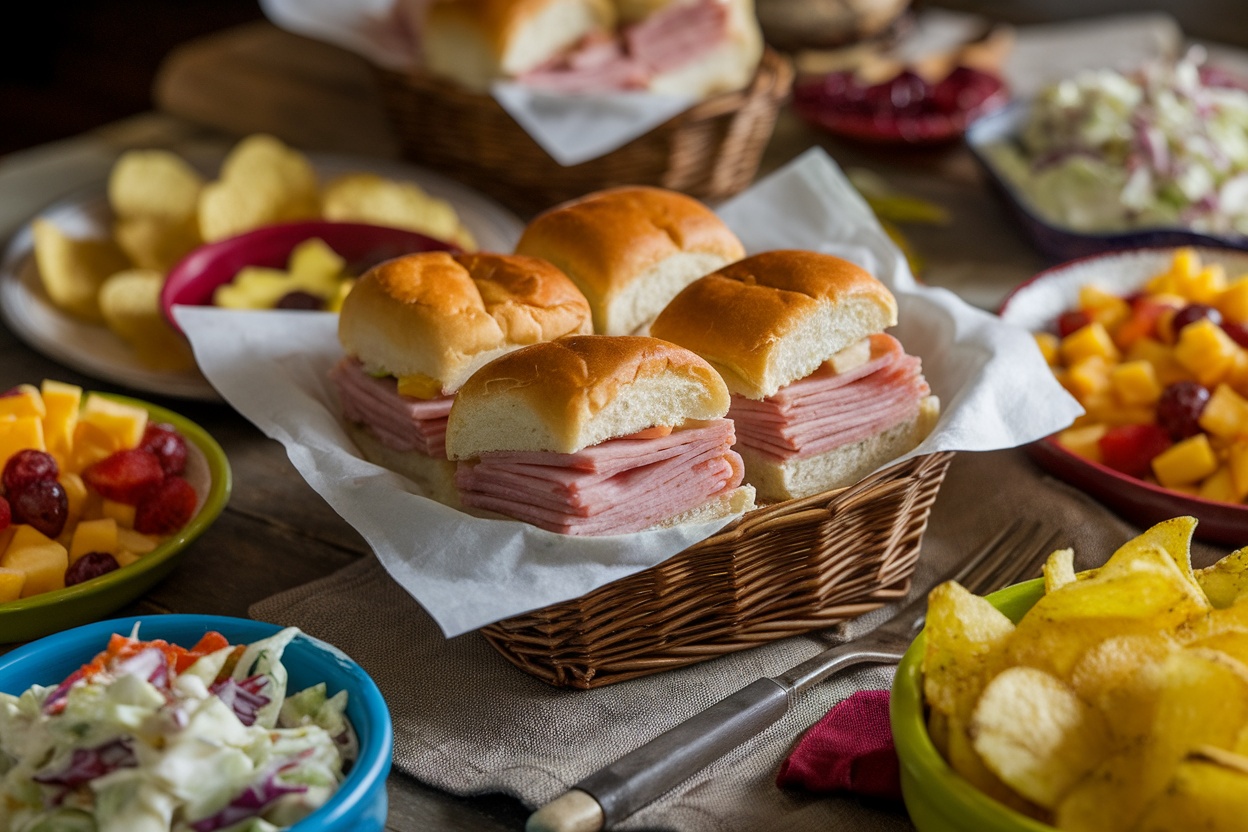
<point x="366" y="197"/>
<point x="1226" y="581"/>
<point x="1059" y="570"/>
<point x="130" y="302"/>
<point x="963" y="630"/>
<point x="965" y="760"/>
<point x="262" y="182"/>
<point x="154" y="184"/>
<point x="1108" y="799"/>
<point x="1205" y="794"/>
<point x="153" y="243"/>
<point x="72" y="271"/>
<point x="1034" y="732"/>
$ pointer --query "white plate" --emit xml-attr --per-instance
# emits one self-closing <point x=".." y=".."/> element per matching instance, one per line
<point x="94" y="350"/>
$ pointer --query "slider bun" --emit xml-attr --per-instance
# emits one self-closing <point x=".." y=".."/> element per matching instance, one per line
<point x="630" y="250"/>
<point x="792" y="479"/>
<point x="443" y="316"/>
<point x="568" y="394"/>
<point x="474" y="42"/>
<point x="771" y="319"/>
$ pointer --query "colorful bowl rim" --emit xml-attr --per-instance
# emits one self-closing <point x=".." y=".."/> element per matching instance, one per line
<point x="918" y="754"/>
<point x="1193" y="502"/>
<point x="371" y="766"/>
<point x="214" y="503"/>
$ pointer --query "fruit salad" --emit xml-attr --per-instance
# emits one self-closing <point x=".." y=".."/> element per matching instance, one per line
<point x="1163" y="376"/>
<point x="152" y="736"/>
<point x="88" y="485"/>
<point x="316" y="278"/>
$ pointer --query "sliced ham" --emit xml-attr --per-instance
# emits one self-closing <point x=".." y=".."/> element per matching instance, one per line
<point x="828" y="410"/>
<point x="399" y="422"/>
<point x="614" y="487"/>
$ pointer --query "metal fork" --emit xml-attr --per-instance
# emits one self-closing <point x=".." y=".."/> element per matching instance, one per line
<point x="611" y="794"/>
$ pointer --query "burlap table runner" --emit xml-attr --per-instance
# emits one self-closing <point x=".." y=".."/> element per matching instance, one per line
<point x="469" y="723"/>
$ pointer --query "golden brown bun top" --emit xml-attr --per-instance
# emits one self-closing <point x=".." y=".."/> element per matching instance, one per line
<point x="443" y="315"/>
<point x="577" y="391"/>
<point x="773" y="318"/>
<point x="607" y="239"/>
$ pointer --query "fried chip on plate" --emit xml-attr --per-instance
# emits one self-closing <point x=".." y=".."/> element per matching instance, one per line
<point x="155" y="185"/>
<point x="367" y="197"/>
<point x="73" y="270"/>
<point x="153" y="243"/>
<point x="262" y="182"/>
<point x="130" y="302"/>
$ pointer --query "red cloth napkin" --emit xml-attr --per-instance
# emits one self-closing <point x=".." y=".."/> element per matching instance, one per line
<point x="849" y="750"/>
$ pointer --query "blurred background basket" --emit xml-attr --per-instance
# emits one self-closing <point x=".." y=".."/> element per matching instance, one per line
<point x="779" y="571"/>
<point x="710" y="151"/>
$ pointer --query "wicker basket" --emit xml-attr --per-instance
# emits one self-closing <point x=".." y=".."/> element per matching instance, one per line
<point x="710" y="151"/>
<point x="779" y="571"/>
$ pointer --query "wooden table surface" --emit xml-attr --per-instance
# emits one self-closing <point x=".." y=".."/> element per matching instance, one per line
<point x="276" y="533"/>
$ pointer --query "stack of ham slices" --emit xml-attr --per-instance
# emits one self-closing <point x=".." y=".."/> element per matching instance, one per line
<point x="399" y="422"/>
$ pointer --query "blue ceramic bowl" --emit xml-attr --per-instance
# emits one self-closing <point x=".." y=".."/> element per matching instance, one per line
<point x="1055" y="241"/>
<point x="360" y="803"/>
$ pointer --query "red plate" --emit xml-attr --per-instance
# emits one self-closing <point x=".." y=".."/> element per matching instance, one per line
<point x="1035" y="305"/>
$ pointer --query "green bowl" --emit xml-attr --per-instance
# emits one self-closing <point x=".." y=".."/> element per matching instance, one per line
<point x="936" y="796"/>
<point x="49" y="612"/>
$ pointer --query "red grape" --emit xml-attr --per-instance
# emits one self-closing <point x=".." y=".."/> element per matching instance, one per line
<point x="91" y="565"/>
<point x="1072" y="321"/>
<point x="1192" y="313"/>
<point x="1179" y="409"/>
<point x="301" y="300"/>
<point x="168" y="445"/>
<point x="26" y="467"/>
<point x="6" y="514"/>
<point x="1237" y="332"/>
<point x="43" y="505"/>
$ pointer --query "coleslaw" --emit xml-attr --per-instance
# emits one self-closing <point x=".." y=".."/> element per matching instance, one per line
<point x="1163" y="146"/>
<point x="150" y="736"/>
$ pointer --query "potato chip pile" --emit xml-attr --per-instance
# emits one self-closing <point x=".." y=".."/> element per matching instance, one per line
<point x="163" y="207"/>
<point x="1119" y="703"/>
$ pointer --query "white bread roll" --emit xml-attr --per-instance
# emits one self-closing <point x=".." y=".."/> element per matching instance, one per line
<point x="442" y="316"/>
<point x="790" y="479"/>
<point x="474" y="42"/>
<point x="630" y="250"/>
<point x="566" y="395"/>
<point x="773" y="318"/>
<point x="434" y="475"/>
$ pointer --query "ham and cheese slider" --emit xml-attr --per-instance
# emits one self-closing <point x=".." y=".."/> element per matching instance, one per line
<point x="680" y="47"/>
<point x="595" y="435"/>
<point x="821" y="395"/>
<point x="416" y="327"/>
<point x="630" y="250"/>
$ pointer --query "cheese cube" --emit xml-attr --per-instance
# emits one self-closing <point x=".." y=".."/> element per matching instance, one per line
<point x="1185" y="462"/>
<point x="94" y="536"/>
<point x="42" y="559"/>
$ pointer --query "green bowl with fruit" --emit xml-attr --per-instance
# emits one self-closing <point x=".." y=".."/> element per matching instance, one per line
<point x="207" y="471"/>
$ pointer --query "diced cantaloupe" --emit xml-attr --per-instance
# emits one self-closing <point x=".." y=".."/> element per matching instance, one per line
<point x="1205" y="285"/>
<point x="1185" y="462"/>
<point x="1167" y="369"/>
<point x="61" y="402"/>
<point x="1086" y="342"/>
<point x="1083" y="441"/>
<point x="1048" y="344"/>
<point x="124" y="422"/>
<point x="1206" y="351"/>
<point x="1135" y="382"/>
<point x="43" y="560"/>
<point x="1219" y="486"/>
<point x="19" y="434"/>
<point x="1088" y="377"/>
<point x="25" y="401"/>
<point x="11" y="583"/>
<point x="1107" y="309"/>
<point x="94" y="536"/>
<point x="1225" y="414"/>
<point x="1237" y="461"/>
<point x="121" y="513"/>
<point x="137" y="542"/>
<point x="1233" y="302"/>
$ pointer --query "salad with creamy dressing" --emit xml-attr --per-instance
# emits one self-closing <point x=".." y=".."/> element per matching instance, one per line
<point x="1165" y="146"/>
<point x="150" y="736"/>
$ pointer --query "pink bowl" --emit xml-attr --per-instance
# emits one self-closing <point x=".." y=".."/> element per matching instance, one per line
<point x="194" y="279"/>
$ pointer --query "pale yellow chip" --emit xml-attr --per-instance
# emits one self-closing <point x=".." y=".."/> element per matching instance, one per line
<point x="1059" y="570"/>
<point x="1115" y="676"/>
<point x="72" y="271"/>
<point x="153" y="243"/>
<point x="154" y="184"/>
<point x="367" y="197"/>
<point x="262" y="182"/>
<point x="1034" y="732"/>
<point x="963" y="630"/>
<point x="965" y="760"/>
<point x="130" y="302"/>
<point x="1206" y="794"/>
<point x="1226" y="581"/>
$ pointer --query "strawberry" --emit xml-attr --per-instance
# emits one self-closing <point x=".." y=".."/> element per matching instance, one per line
<point x="1130" y="448"/>
<point x="6" y="514"/>
<point x="168" y="445"/>
<point x="125" y="476"/>
<point x="166" y="508"/>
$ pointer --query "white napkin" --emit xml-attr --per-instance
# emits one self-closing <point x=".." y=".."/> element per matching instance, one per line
<point x="468" y="572"/>
<point x="571" y="128"/>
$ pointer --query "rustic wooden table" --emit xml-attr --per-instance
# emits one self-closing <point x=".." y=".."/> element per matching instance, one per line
<point x="277" y="533"/>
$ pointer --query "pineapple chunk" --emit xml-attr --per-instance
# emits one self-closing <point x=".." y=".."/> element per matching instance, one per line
<point x="1206" y="351"/>
<point x="315" y="260"/>
<point x="125" y="557"/>
<point x="91" y="444"/>
<point x="1220" y="486"/>
<point x="61" y="402"/>
<point x="1107" y="309"/>
<point x="1086" y="342"/>
<point x="121" y="513"/>
<point x="1186" y="462"/>
<point x="1237" y="461"/>
<point x="1206" y="285"/>
<point x="1089" y="377"/>
<point x="42" y="559"/>
<point x="1226" y="414"/>
<point x="94" y="536"/>
<point x="1135" y="382"/>
<point x="1083" y="441"/>
<point x="1233" y="302"/>
<point x="26" y="401"/>
<point x="1047" y="342"/>
<point x="1165" y="367"/>
<point x="75" y="497"/>
<point x="136" y="542"/>
<point x="124" y="422"/>
<point x="19" y="434"/>
<point x="11" y="583"/>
